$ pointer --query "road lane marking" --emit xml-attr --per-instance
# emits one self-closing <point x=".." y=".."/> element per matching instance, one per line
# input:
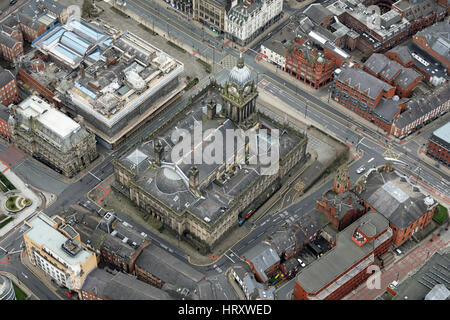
<point x="370" y="160"/>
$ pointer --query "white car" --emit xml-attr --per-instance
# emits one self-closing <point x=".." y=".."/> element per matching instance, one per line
<point x="301" y="263"/>
<point x="393" y="284"/>
<point x="361" y="170"/>
<point x="398" y="251"/>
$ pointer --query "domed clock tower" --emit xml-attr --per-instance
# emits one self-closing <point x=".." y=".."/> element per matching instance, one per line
<point x="239" y="94"/>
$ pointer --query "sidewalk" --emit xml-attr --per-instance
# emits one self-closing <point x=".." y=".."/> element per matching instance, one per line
<point x="43" y="277"/>
<point x="235" y="287"/>
<point x="321" y="94"/>
<point x="21" y="285"/>
<point x="22" y="190"/>
<point x="405" y="265"/>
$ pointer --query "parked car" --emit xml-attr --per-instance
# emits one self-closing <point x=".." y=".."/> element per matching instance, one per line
<point x="361" y="170"/>
<point x="398" y="251"/>
<point x="393" y="284"/>
<point x="301" y="263"/>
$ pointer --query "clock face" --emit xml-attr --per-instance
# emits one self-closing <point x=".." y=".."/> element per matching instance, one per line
<point x="247" y="89"/>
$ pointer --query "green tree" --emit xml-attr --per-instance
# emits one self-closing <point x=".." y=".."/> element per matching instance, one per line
<point x="87" y="8"/>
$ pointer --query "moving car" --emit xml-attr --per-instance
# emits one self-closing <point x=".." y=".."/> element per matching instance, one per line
<point x="361" y="170"/>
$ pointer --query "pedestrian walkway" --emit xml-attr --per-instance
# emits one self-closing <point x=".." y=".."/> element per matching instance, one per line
<point x="406" y="265"/>
<point x="22" y="190"/>
<point x="41" y="275"/>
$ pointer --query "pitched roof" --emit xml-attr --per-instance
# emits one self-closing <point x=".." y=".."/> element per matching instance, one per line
<point x="316" y="12"/>
<point x="395" y="198"/>
<point x="6" y="77"/>
<point x="419" y="107"/>
<point x="263" y="256"/>
<point x="7" y="40"/>
<point x="364" y="82"/>
<point x="403" y="54"/>
<point x="438" y="38"/>
<point x="167" y="268"/>
<point x="121" y="286"/>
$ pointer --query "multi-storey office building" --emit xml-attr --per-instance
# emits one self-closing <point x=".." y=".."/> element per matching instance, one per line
<point x="248" y="19"/>
<point x="52" y="137"/>
<point x="113" y="80"/>
<point x="55" y="247"/>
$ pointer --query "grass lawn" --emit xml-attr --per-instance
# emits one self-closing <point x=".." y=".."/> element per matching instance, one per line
<point x="120" y="12"/>
<point x="11" y="203"/>
<point x="205" y="64"/>
<point x="170" y="43"/>
<point x="6" y="182"/>
<point x="20" y="295"/>
<point x="441" y="214"/>
<point x="4" y="223"/>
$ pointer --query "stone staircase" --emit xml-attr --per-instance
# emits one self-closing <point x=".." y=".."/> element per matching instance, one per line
<point x="387" y="259"/>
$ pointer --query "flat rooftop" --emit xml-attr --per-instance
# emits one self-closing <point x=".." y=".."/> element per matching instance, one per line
<point x="443" y="132"/>
<point x="337" y="261"/>
<point x="43" y="234"/>
<point x="396" y="198"/>
<point x="169" y="183"/>
<point x="363" y="14"/>
<point x="106" y="73"/>
<point x="419" y="284"/>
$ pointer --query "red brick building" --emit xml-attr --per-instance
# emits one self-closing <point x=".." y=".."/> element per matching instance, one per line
<point x="341" y="206"/>
<point x="345" y="266"/>
<point x="9" y="92"/>
<point x="438" y="146"/>
<point x="4" y="117"/>
<point x="309" y="64"/>
<point x="402" y="55"/>
<point x="403" y="79"/>
<point x="434" y="40"/>
<point x="403" y="204"/>
<point x="263" y="261"/>
<point x="11" y="49"/>
<point x="367" y="96"/>
<point x="30" y="28"/>
<point x="422" y="110"/>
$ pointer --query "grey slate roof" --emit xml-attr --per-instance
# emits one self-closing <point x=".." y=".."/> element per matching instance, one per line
<point x="438" y="38"/>
<point x="391" y="70"/>
<point x="7" y="40"/>
<point x="316" y="12"/>
<point x="394" y="198"/>
<point x="407" y="76"/>
<point x="6" y="77"/>
<point x="340" y="258"/>
<point x="263" y="256"/>
<point x="403" y="53"/>
<point x="419" y="107"/>
<point x="28" y="21"/>
<point x="121" y="287"/>
<point x="4" y="112"/>
<point x="340" y="201"/>
<point x="167" y="267"/>
<point x="387" y="109"/>
<point x="283" y="241"/>
<point x="363" y="81"/>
